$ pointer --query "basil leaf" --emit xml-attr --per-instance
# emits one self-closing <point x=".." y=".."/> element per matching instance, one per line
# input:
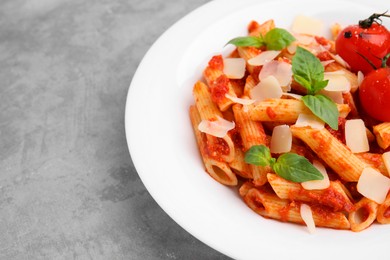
<point x="247" y="41"/>
<point x="324" y="108"/>
<point x="278" y="39"/>
<point x="259" y="155"/>
<point x="296" y="168"/>
<point x="308" y="71"/>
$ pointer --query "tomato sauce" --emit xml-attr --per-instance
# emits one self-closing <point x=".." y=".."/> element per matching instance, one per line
<point x="340" y="133"/>
<point x="219" y="88"/>
<point x="270" y="113"/>
<point x="253" y="26"/>
<point x="216" y="148"/>
<point x="324" y="56"/>
<point x="216" y="62"/>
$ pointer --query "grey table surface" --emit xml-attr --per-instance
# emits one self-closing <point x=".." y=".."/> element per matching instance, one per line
<point x="68" y="188"/>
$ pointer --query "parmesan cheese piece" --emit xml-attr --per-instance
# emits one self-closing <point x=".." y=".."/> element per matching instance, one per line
<point x="218" y="128"/>
<point x="337" y="81"/>
<point x="292" y="48"/>
<point x="336" y="96"/>
<point x="263" y="58"/>
<point x="282" y="71"/>
<point x="234" y="68"/>
<point x="304" y="39"/>
<point x="339" y="60"/>
<point x="292" y="95"/>
<point x="356" y="136"/>
<point x="317" y="184"/>
<point x="242" y="101"/>
<point x="360" y="77"/>
<point x="281" y="139"/>
<point x="307" y="217"/>
<point x="268" y="87"/>
<point x="373" y="185"/>
<point x="327" y="62"/>
<point x="386" y="160"/>
<point x="309" y="120"/>
<point x="307" y="25"/>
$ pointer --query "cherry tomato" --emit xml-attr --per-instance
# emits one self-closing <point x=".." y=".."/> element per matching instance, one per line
<point x="374" y="94"/>
<point x="361" y="44"/>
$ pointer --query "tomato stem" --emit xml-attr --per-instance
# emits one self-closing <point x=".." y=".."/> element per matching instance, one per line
<point x="370" y="20"/>
<point x="384" y="60"/>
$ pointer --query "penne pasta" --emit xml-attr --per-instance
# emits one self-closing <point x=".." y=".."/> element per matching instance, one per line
<point x="363" y="215"/>
<point x="252" y="133"/>
<point x="271" y="206"/>
<point x="239" y="166"/>
<point x="284" y="110"/>
<point x="218" y="83"/>
<point x="221" y="147"/>
<point x="327" y="147"/>
<point x="383" y="214"/>
<point x="382" y="133"/>
<point x="239" y="130"/>
<point x="374" y="160"/>
<point x="220" y="171"/>
<point x="333" y="196"/>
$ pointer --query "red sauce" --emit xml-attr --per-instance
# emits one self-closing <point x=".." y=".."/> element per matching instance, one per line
<point x="216" y="149"/>
<point x="284" y="212"/>
<point x="340" y="133"/>
<point x="219" y="88"/>
<point x="324" y="56"/>
<point x="216" y="62"/>
<point x="253" y="25"/>
<point x="236" y="138"/>
<point x="270" y="113"/>
<point x="321" y="40"/>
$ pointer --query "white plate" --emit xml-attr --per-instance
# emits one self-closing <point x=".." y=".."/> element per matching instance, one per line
<point x="164" y="152"/>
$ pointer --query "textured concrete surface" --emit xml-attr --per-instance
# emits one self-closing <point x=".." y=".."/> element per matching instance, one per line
<point x="68" y="189"/>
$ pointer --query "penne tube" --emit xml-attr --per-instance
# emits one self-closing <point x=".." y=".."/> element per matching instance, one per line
<point x="256" y="29"/>
<point x="334" y="153"/>
<point x="271" y="206"/>
<point x="382" y="133"/>
<point x="285" y="110"/>
<point x="248" y="53"/>
<point x="252" y="133"/>
<point x="218" y="170"/>
<point x="250" y="83"/>
<point x="363" y="215"/>
<point x="219" y="83"/>
<point x="374" y="160"/>
<point x="333" y="196"/>
<point x="221" y="147"/>
<point x="383" y="214"/>
<point x="239" y="166"/>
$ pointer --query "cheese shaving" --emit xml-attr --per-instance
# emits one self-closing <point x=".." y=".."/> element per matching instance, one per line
<point x="218" y="128"/>
<point x="242" y="101"/>
<point x="373" y="185"/>
<point x="281" y="139"/>
<point x="307" y="217"/>
<point x="234" y="68"/>
<point x="263" y="58"/>
<point x="356" y="136"/>
<point x="268" y="87"/>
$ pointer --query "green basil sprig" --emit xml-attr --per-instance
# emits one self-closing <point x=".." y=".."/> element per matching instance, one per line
<point x="275" y="39"/>
<point x="309" y="72"/>
<point x="289" y="166"/>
